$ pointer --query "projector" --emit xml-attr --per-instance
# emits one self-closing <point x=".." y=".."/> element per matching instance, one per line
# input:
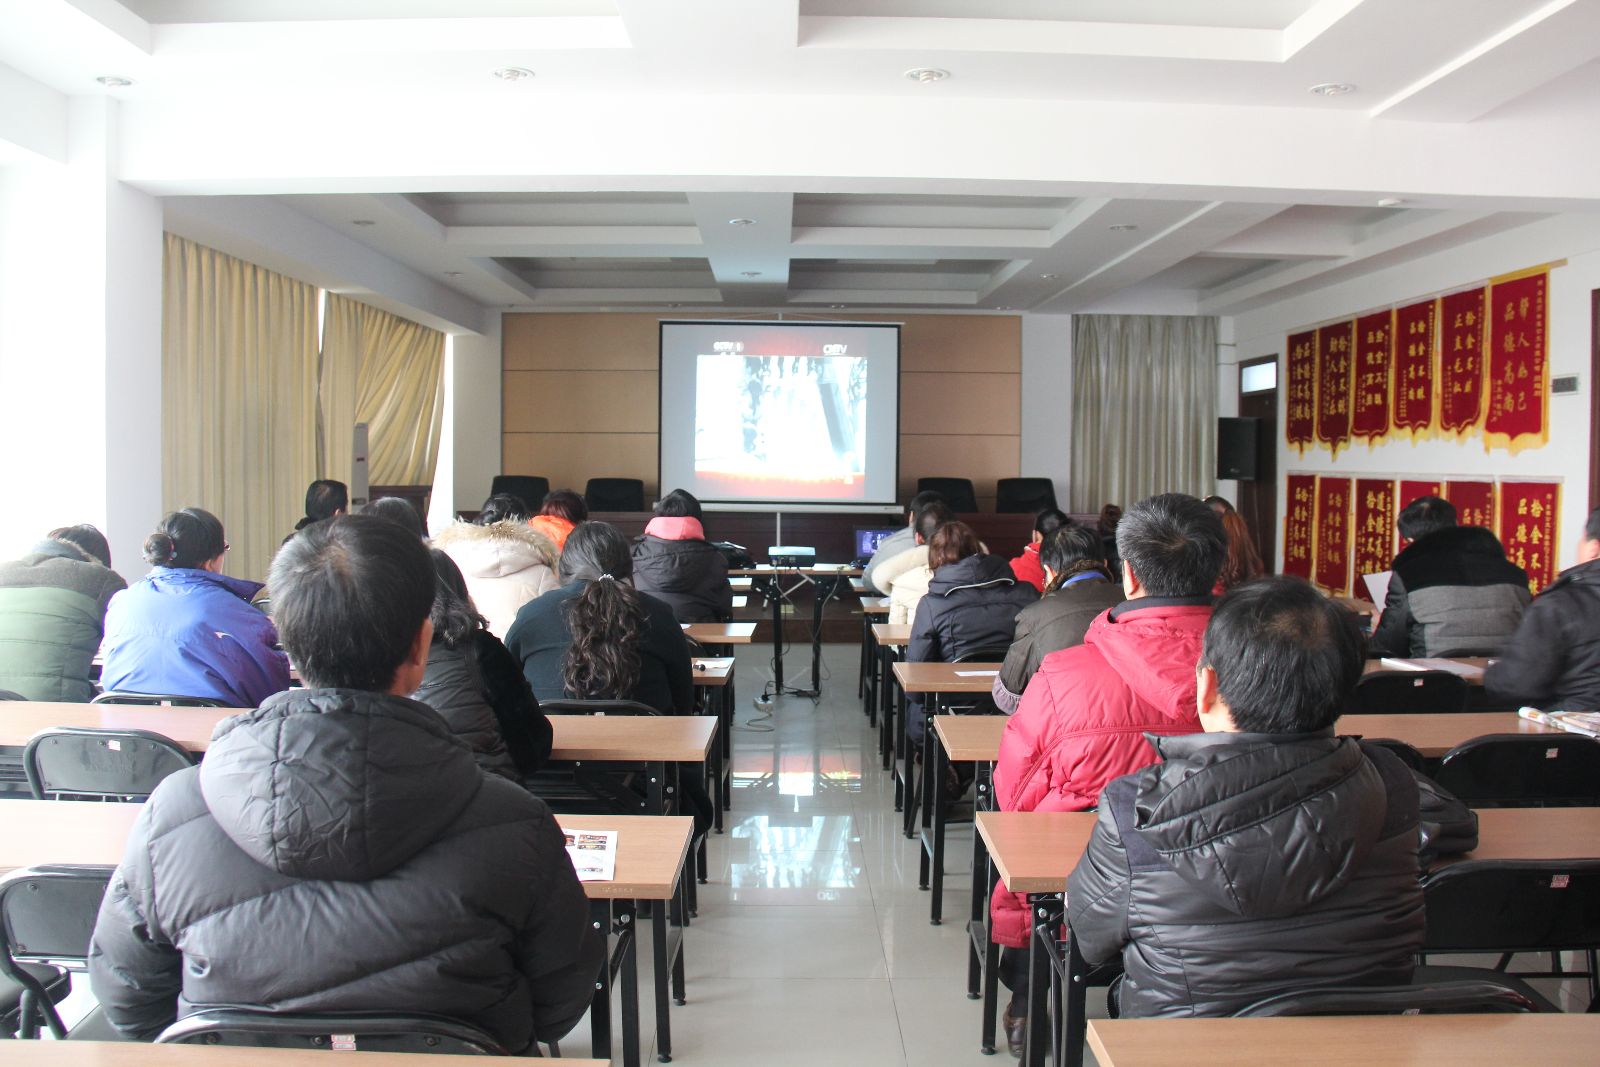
<point x="791" y="556"/>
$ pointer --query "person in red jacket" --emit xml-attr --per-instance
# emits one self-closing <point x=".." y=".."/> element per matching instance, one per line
<point x="1086" y="711"/>
<point x="1026" y="566"/>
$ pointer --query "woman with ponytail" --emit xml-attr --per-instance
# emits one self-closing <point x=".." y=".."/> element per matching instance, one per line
<point x="187" y="629"/>
<point x="1078" y="586"/>
<point x="596" y="637"/>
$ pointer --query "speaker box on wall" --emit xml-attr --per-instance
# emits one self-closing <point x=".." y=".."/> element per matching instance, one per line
<point x="1237" y="443"/>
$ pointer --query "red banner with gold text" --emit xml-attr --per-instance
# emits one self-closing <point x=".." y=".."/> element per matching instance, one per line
<point x="1299" y="525"/>
<point x="1414" y="327"/>
<point x="1529" y="517"/>
<point x="1474" y="502"/>
<point x="1335" y="352"/>
<point x="1369" y="408"/>
<point x="1333" y="535"/>
<point x="1411" y="490"/>
<point x="1461" y="361"/>
<point x="1518" y="365"/>
<point x="1372" y="544"/>
<point x="1299" y="424"/>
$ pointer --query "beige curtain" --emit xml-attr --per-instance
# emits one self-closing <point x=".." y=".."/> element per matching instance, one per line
<point x="239" y="392"/>
<point x="387" y="372"/>
<point x="1144" y="407"/>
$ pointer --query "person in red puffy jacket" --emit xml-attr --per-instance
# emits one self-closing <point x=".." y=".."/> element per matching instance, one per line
<point x="1085" y="713"/>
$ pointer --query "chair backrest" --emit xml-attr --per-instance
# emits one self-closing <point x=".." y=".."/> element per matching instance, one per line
<point x="6" y="694"/>
<point x="528" y="488"/>
<point x="1523" y="771"/>
<point x="975" y="703"/>
<point x="957" y="492"/>
<point x="1013" y="496"/>
<point x="96" y="762"/>
<point x="157" y="700"/>
<point x="332" y="1032"/>
<point x="47" y="913"/>
<point x="596" y="707"/>
<point x="1513" y="906"/>
<point x="614" y="494"/>
<point x="1462" y="997"/>
<point x="1409" y="755"/>
<point x="1409" y="693"/>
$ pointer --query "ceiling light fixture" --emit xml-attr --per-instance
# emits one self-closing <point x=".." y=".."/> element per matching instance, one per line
<point x="1123" y="227"/>
<point x="927" y="75"/>
<point x="750" y="273"/>
<point x="114" y="81"/>
<point x="837" y="307"/>
<point x="1390" y="201"/>
<point x="1332" y="88"/>
<point x="452" y="274"/>
<point x="1003" y="307"/>
<point x="362" y="222"/>
<point x="512" y="74"/>
<point x="741" y="222"/>
<point x="1047" y="277"/>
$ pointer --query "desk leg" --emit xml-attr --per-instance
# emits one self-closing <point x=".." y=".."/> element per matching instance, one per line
<point x="902" y="793"/>
<point x="821" y="589"/>
<point x="600" y="1003"/>
<point x="630" y="986"/>
<point x="658" y="944"/>
<point x="1046" y="910"/>
<point x="936" y="882"/>
<point x="777" y="633"/>
<point x="885" y="707"/>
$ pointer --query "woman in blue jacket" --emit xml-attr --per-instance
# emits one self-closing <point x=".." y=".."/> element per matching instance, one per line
<point x="187" y="629"/>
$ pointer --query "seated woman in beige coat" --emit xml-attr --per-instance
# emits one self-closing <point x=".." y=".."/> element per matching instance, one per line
<point x="505" y="561"/>
<point x="905" y="577"/>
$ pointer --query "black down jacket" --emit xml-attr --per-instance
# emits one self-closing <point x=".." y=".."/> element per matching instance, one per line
<point x="1451" y="592"/>
<point x="1553" y="660"/>
<point x="971" y="604"/>
<point x="690" y="575"/>
<point x="339" y="851"/>
<point x="480" y="692"/>
<point x="1246" y="865"/>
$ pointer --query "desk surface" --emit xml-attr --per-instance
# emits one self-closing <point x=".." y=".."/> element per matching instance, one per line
<point x="674" y="738"/>
<point x="1434" y="735"/>
<point x="970" y="738"/>
<point x="892" y="634"/>
<point x="946" y="677"/>
<point x="721" y="633"/>
<point x="712" y="670"/>
<point x="1471" y="668"/>
<point x="139" y="1054"/>
<point x="651" y="850"/>
<point x="189" y="727"/>
<point x="820" y="570"/>
<point x="1534" y="834"/>
<point x="1395" y="1040"/>
<point x="1034" y="851"/>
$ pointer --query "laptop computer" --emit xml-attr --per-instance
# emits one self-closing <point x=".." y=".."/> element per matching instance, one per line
<point x="867" y="540"/>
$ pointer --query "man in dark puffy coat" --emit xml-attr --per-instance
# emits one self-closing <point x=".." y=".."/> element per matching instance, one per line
<point x="1553" y="660"/>
<point x="1451" y="591"/>
<point x="1264" y="854"/>
<point x="338" y="850"/>
<point x="674" y="562"/>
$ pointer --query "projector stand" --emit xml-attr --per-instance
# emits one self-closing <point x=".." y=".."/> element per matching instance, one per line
<point x="827" y="586"/>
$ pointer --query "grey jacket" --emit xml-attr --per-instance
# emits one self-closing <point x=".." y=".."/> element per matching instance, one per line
<point x="1553" y="660"/>
<point x="340" y="851"/>
<point x="52" y="618"/>
<point x="1452" y="592"/>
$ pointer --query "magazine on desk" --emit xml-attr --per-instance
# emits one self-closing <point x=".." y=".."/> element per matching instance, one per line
<point x="1586" y="723"/>
<point x="593" y="853"/>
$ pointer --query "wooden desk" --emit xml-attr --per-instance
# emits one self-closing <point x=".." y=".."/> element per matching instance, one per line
<point x="946" y="677"/>
<point x="939" y="680"/>
<point x="1434" y="735"/>
<point x="712" y="671"/>
<point x="651" y="852"/>
<point x="891" y="635"/>
<point x="139" y="1054"/>
<point x="739" y="585"/>
<point x="1534" y="834"/>
<point x="189" y="727"/>
<point x="971" y="739"/>
<point x="1469" y="668"/>
<point x="1392" y="1040"/>
<point x="632" y="738"/>
<point x="720" y="633"/>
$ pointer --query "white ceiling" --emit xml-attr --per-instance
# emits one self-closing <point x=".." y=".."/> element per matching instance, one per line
<point x="1081" y="151"/>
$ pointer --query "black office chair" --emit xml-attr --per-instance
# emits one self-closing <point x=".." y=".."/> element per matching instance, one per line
<point x="88" y="761"/>
<point x="528" y="488"/>
<point x="157" y="700"/>
<point x="47" y="916"/>
<point x="1408" y="693"/>
<point x="1017" y="496"/>
<point x="1459" y="997"/>
<point x="958" y="493"/>
<point x="1409" y="755"/>
<point x="13" y="782"/>
<point x="614" y="494"/>
<point x="1523" y="771"/>
<point x="333" y="1032"/>
<point x="6" y="694"/>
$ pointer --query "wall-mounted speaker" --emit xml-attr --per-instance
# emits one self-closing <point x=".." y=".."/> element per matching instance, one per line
<point x="1238" y="448"/>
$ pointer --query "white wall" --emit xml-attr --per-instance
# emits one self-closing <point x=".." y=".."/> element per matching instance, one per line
<point x="1573" y="237"/>
<point x="475" y="405"/>
<point x="1047" y="400"/>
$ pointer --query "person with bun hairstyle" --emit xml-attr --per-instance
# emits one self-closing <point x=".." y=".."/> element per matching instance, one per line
<point x="187" y="629"/>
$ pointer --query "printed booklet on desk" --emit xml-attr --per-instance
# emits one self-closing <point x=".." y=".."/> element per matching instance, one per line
<point x="1586" y="723"/>
<point x="594" y="854"/>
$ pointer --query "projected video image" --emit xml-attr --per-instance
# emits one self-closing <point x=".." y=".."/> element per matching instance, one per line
<point x="778" y="426"/>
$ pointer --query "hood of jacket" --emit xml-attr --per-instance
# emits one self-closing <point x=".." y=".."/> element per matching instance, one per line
<point x="973" y="572"/>
<point x="675" y="528"/>
<point x="1262" y="825"/>
<point x="1141" y="640"/>
<point x="293" y="782"/>
<point x="1456" y="555"/>
<point x="497" y="550"/>
<point x="184" y="579"/>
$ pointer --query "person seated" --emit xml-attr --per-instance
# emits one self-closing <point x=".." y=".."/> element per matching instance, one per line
<point x="1026" y="566"/>
<point x="897" y="542"/>
<point x="325" y="498"/>
<point x="505" y="561"/>
<point x="398" y="509"/>
<point x="1264" y="854"/>
<point x="88" y="538"/>
<point x="1086" y="712"/>
<point x="906" y="575"/>
<point x="1243" y="562"/>
<point x="972" y="603"/>
<point x="187" y="629"/>
<point x="338" y="850"/>
<point x="1110" y="515"/>
<point x="1078" y="589"/>
<point x="674" y="562"/>
<point x="1552" y="661"/>
<point x="477" y="686"/>
<point x="52" y="617"/>
<point x="1451" y="590"/>
<point x="596" y="637"/>
<point x="561" y="511"/>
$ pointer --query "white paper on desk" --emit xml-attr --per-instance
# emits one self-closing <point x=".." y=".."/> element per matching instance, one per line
<point x="976" y="674"/>
<point x="740" y="601"/>
<point x="593" y="854"/>
<point x="1469" y="671"/>
<point x="1378" y="587"/>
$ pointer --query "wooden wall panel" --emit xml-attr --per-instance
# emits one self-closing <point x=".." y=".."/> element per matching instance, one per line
<point x="960" y="403"/>
<point x="581" y="401"/>
<point x="981" y="458"/>
<point x="581" y="342"/>
<point x="570" y="459"/>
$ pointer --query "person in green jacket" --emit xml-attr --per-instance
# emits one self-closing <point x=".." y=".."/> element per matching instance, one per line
<point x="52" y="616"/>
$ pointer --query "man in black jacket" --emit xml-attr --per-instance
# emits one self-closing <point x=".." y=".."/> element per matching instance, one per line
<point x="674" y="562"/>
<point x="1265" y="854"/>
<point x="1553" y="660"/>
<point x="339" y="850"/>
<point x="1451" y="591"/>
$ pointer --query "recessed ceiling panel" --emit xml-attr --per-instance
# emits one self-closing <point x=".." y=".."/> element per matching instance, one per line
<point x="165" y="11"/>
<point x="1238" y="14"/>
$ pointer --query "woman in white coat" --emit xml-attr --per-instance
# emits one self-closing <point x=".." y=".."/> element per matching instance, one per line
<point x="505" y="561"/>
